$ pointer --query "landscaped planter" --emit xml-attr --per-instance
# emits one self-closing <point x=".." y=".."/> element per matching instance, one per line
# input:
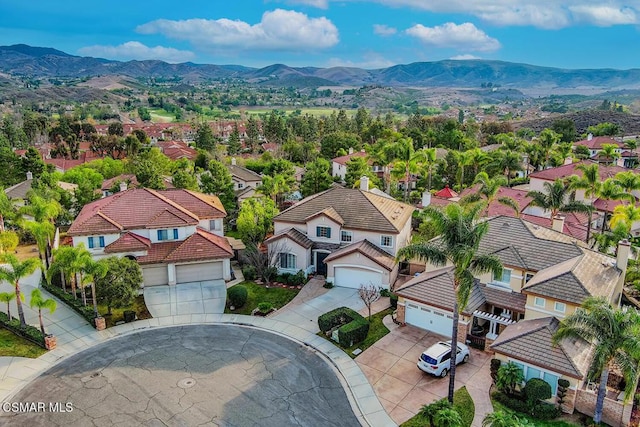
<point x="50" y="342"/>
<point x="129" y="316"/>
<point x="100" y="323"/>
<point x="257" y="312"/>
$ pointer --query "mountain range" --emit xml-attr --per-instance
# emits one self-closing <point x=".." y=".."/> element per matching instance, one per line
<point x="41" y="62"/>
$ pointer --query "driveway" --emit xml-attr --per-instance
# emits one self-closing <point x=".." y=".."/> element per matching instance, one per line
<point x="191" y="375"/>
<point x="186" y="298"/>
<point x="390" y="367"/>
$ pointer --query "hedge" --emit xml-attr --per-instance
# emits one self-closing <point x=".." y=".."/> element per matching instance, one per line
<point x="29" y="333"/>
<point x="75" y="304"/>
<point x="353" y="332"/>
<point x="541" y="411"/>
<point x="237" y="295"/>
<point x="339" y="316"/>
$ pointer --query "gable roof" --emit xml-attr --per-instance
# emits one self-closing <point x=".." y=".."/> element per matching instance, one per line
<point x="596" y="142"/>
<point x="328" y="212"/>
<point x="359" y="210"/>
<point x="19" y="190"/>
<point x="243" y="173"/>
<point x="531" y="341"/>
<point x="141" y="208"/>
<point x="297" y="236"/>
<point x="570" y="169"/>
<point x="108" y="183"/>
<point x="201" y="245"/>
<point x="435" y="288"/>
<point x="446" y="193"/>
<point x="204" y="206"/>
<point x="342" y="160"/>
<point x="589" y="274"/>
<point x="367" y="249"/>
<point x="128" y="242"/>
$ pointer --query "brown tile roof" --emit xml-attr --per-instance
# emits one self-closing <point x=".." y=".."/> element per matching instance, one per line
<point x="128" y="178"/>
<point x="504" y="299"/>
<point x="199" y="246"/>
<point x="369" y="250"/>
<point x="204" y="206"/>
<point x="496" y="208"/>
<point x="531" y="341"/>
<point x="243" y="174"/>
<point x="128" y="242"/>
<point x="329" y="212"/>
<point x="158" y="252"/>
<point x="293" y="234"/>
<point x="568" y="170"/>
<point x="359" y="209"/>
<point x="344" y="159"/>
<point x="435" y="288"/>
<point x="608" y="205"/>
<point x="20" y="190"/>
<point x="596" y="142"/>
<point x="140" y="208"/>
<point x="589" y="274"/>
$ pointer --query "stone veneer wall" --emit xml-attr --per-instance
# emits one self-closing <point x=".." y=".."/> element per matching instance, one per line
<point x="401" y="313"/>
<point x="614" y="413"/>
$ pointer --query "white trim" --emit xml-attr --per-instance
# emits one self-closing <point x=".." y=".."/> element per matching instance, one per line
<point x="555" y="307"/>
<point x="540" y="310"/>
<point x="363" y="267"/>
<point x="542" y="371"/>
<point x="536" y="299"/>
<point x="390" y="237"/>
<point x="350" y="233"/>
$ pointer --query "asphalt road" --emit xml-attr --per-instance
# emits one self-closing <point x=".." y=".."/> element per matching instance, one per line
<point x="189" y="376"/>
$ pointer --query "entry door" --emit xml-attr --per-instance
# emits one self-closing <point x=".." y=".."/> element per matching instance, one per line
<point x="321" y="267"/>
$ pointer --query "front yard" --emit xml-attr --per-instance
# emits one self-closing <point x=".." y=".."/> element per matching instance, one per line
<point x="497" y="406"/>
<point x="277" y="296"/>
<point x="117" y="314"/>
<point x="12" y="345"/>
<point x="462" y="403"/>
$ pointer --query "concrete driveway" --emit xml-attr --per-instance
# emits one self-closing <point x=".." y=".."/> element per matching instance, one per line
<point x="191" y="375"/>
<point x="186" y="298"/>
<point x="390" y="367"/>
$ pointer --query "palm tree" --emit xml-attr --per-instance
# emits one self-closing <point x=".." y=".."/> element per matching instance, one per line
<point x="615" y="337"/>
<point x="547" y="141"/>
<point x="38" y="301"/>
<point x="43" y="232"/>
<point x="632" y="144"/>
<point x="628" y="181"/>
<point x="427" y="161"/>
<point x="479" y="159"/>
<point x="590" y="183"/>
<point x="6" y="209"/>
<point x="489" y="188"/>
<point x="447" y="417"/>
<point x="625" y="214"/>
<point x="465" y="158"/>
<point x="553" y="199"/>
<point x="42" y="210"/>
<point x="93" y="271"/>
<point x="405" y="168"/>
<point x="609" y="151"/>
<point x="611" y="190"/>
<point x="7" y="297"/>
<point x="15" y="271"/>
<point x="508" y="162"/>
<point x="501" y="419"/>
<point x="460" y="236"/>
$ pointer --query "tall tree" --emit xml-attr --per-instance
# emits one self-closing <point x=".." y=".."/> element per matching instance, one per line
<point x="590" y="183"/>
<point x="233" y="145"/>
<point x="508" y="162"/>
<point x="488" y="189"/>
<point x="428" y="161"/>
<point x="255" y="219"/>
<point x="39" y="302"/>
<point x="611" y="190"/>
<point x="615" y="337"/>
<point x="43" y="233"/>
<point x="7" y="209"/>
<point x="625" y="214"/>
<point x="121" y="284"/>
<point x="628" y="181"/>
<point x="407" y="162"/>
<point x="205" y="139"/>
<point x="15" y="270"/>
<point x="358" y="167"/>
<point x="557" y="198"/>
<point x="460" y="235"/>
<point x="7" y="297"/>
<point x="217" y="180"/>
<point x="317" y="177"/>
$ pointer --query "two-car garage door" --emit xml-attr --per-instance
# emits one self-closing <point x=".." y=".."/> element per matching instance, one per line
<point x="201" y="272"/>
<point x="429" y="318"/>
<point x="353" y="277"/>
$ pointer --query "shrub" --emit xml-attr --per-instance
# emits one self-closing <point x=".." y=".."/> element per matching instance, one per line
<point x="536" y="390"/>
<point x="265" y="307"/>
<point x="545" y="411"/>
<point x="429" y="411"/>
<point x="339" y="316"/>
<point x="237" y="295"/>
<point x="509" y="376"/>
<point x="284" y="278"/>
<point x="385" y="292"/>
<point x="495" y="365"/>
<point x="298" y="279"/>
<point x="353" y="332"/>
<point x="29" y="332"/>
<point x="249" y="272"/>
<point x="328" y="285"/>
<point x="563" y="385"/>
<point x="393" y="299"/>
<point x="513" y="403"/>
<point x="73" y="303"/>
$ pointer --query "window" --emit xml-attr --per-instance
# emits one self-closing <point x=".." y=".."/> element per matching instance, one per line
<point x="164" y="234"/>
<point x="214" y="224"/>
<point x="323" y="232"/>
<point x="240" y="186"/>
<point x="386" y="241"/>
<point x="287" y="261"/>
<point x="101" y="241"/>
<point x="528" y="277"/>
<point x="560" y="307"/>
<point x="539" y="302"/>
<point x="346" y="236"/>
<point x="504" y="278"/>
<point x="552" y="380"/>
<point x="92" y="242"/>
<point x="532" y="373"/>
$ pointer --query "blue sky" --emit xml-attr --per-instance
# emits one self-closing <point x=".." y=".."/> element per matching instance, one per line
<point x="367" y="34"/>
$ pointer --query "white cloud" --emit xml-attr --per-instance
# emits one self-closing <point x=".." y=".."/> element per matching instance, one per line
<point x="548" y="14"/>
<point x="464" y="57"/>
<point x="604" y="16"/>
<point x="320" y="4"/>
<point x="450" y="35"/>
<point x="136" y="50"/>
<point x="278" y="30"/>
<point x="384" y="30"/>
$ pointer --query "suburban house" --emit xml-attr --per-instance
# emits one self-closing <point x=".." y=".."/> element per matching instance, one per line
<point x="175" y="235"/>
<point x="18" y="193"/>
<point x="349" y="235"/>
<point x="176" y="150"/>
<point x="595" y="144"/>
<point x="547" y="275"/>
<point x="118" y="183"/>
<point x="339" y="164"/>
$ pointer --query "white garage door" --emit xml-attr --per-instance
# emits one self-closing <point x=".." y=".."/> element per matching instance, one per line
<point x="353" y="277"/>
<point x="155" y="275"/>
<point x="429" y="318"/>
<point x="199" y="272"/>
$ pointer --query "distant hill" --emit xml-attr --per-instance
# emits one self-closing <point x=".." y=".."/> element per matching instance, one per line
<point x="48" y="62"/>
<point x="629" y="123"/>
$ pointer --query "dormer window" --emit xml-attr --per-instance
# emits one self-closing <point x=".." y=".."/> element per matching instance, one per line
<point x="168" y="234"/>
<point x="386" y="241"/>
<point x="96" y="242"/>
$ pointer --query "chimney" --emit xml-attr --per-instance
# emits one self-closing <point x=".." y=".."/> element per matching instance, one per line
<point x="29" y="176"/>
<point x="568" y="160"/>
<point x="364" y="183"/>
<point x="558" y="223"/>
<point x="622" y="255"/>
<point x="233" y="161"/>
<point x="350" y="150"/>
<point x="123" y="186"/>
<point x="426" y="199"/>
<point x="589" y="137"/>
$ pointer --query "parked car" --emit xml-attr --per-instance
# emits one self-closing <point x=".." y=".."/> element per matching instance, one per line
<point x="436" y="359"/>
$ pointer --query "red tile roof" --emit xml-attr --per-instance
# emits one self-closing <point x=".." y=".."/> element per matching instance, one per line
<point x="130" y="178"/>
<point x="344" y="159"/>
<point x="446" y="193"/>
<point x="608" y="205"/>
<point x="568" y="170"/>
<point x="200" y="246"/>
<point x="597" y="142"/>
<point x="129" y="242"/>
<point x="144" y="208"/>
<point x="496" y="208"/>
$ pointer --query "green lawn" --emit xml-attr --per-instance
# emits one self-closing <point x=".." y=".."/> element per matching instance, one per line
<point x="117" y="313"/>
<point x="14" y="346"/>
<point x="377" y="330"/>
<point x="532" y="421"/>
<point x="462" y="403"/>
<point x="158" y="115"/>
<point x="279" y="297"/>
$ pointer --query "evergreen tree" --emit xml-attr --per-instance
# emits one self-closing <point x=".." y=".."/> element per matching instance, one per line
<point x="316" y="178"/>
<point x="234" y="146"/>
<point x="205" y="139"/>
<point x="217" y="180"/>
